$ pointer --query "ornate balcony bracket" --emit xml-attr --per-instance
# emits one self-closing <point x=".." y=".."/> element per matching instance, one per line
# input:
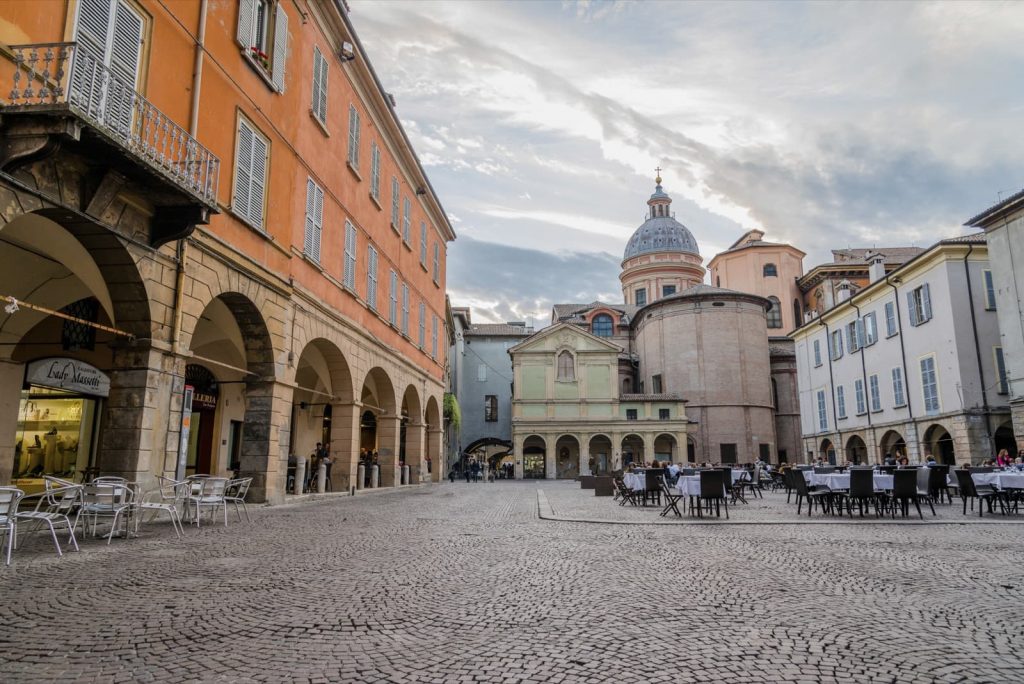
<point x="26" y="141"/>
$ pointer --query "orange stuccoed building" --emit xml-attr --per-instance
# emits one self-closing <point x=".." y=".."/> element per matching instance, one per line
<point x="218" y="250"/>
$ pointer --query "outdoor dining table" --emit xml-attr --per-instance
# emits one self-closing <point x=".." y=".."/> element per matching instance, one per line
<point x="1000" y="480"/>
<point x="836" y="481"/>
<point x="638" y="481"/>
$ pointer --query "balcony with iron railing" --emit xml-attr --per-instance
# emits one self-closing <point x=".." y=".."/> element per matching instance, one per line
<point x="66" y="79"/>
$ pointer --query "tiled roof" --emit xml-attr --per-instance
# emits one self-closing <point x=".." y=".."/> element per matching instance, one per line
<point x="498" y="329"/>
<point x="972" y="239"/>
<point x="892" y="255"/>
<point x="996" y="209"/>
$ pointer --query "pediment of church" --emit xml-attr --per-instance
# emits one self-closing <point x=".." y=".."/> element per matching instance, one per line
<point x="564" y="336"/>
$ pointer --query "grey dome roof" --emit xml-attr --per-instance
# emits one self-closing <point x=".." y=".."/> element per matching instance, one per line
<point x="660" y="234"/>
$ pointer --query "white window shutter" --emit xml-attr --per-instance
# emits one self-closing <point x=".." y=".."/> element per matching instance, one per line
<point x="243" y="172"/>
<point x="258" y="183"/>
<point x="307" y="243"/>
<point x="318" y="221"/>
<point x="860" y="333"/>
<point x="315" y="104"/>
<point x="280" y="46"/>
<point x="926" y="303"/>
<point x="323" y="88"/>
<point x="912" y="308"/>
<point x="245" y="26"/>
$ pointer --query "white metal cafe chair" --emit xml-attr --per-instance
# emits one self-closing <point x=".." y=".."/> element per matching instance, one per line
<point x="55" y="508"/>
<point x="10" y="497"/>
<point x="235" y="494"/>
<point x="170" y="498"/>
<point x="209" y="494"/>
<point x="108" y="499"/>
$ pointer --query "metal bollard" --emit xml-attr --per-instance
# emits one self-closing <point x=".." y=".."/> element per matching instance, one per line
<point x="405" y="475"/>
<point x="375" y="477"/>
<point x="300" y="476"/>
<point x="360" y="475"/>
<point x="321" y="478"/>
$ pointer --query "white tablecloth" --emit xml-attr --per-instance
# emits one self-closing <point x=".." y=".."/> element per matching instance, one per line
<point x="1000" y="480"/>
<point x="842" y="480"/>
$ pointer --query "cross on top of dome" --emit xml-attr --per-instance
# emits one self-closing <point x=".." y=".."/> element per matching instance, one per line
<point x="660" y="232"/>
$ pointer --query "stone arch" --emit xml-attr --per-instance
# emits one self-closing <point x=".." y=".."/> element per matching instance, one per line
<point x="568" y="452"/>
<point x="632" y="447"/>
<point x="600" y="451"/>
<point x="433" y="419"/>
<point x="666" y="447"/>
<point x="231" y="333"/>
<point x="892" y="444"/>
<point x="377" y="396"/>
<point x="55" y="260"/>
<point x="691" y="449"/>
<point x="856" y="450"/>
<point x="535" y="457"/>
<point x="827" y="451"/>
<point x="938" y="442"/>
<point x="1004" y="438"/>
<point x="411" y="433"/>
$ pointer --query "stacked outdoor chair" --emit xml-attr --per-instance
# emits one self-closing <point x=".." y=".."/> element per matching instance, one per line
<point x="236" y="491"/>
<point x="10" y="497"/>
<point x="55" y="508"/>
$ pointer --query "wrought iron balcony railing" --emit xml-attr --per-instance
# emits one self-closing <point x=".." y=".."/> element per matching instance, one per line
<point x="67" y="76"/>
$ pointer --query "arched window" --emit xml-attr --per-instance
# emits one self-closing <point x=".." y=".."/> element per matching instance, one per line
<point x="798" y="314"/>
<point x="770" y="270"/>
<point x="601" y="325"/>
<point x="566" y="367"/>
<point x="627" y="385"/>
<point x="775" y="313"/>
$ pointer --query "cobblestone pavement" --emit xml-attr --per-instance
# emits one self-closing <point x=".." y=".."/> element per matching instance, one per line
<point x="465" y="583"/>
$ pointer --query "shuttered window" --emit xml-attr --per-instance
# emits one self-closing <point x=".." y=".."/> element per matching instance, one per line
<point x="250" y="175"/>
<point x="110" y="33"/>
<point x="929" y="385"/>
<point x="375" y="171"/>
<point x="353" y="137"/>
<point x="349" y="276"/>
<point x="841" y="402"/>
<point x="862" y="405"/>
<point x="319" y="86"/>
<point x="260" y="23"/>
<point x="405" y="309"/>
<point x="1003" y="385"/>
<point x="822" y="412"/>
<point x="876" y="393"/>
<point x="919" y="303"/>
<point x="433" y="337"/>
<point x="817" y="353"/>
<point x="990" y="291"/>
<point x="393" y="299"/>
<point x="406" y="221"/>
<point x="423" y="244"/>
<point x="899" y="397"/>
<point x="437" y="263"/>
<point x="394" y="203"/>
<point x="890" y="319"/>
<point x="371" y="277"/>
<point x="423" y="325"/>
<point x="314" y="220"/>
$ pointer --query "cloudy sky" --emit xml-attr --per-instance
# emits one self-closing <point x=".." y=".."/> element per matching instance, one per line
<point x="826" y="125"/>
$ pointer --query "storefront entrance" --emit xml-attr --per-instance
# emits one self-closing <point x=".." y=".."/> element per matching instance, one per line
<point x="58" y="422"/>
<point x="533" y="465"/>
<point x="202" y="429"/>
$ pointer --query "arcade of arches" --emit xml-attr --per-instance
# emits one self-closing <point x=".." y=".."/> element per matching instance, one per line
<point x="558" y="455"/>
<point x="952" y="441"/>
<point x="119" y="352"/>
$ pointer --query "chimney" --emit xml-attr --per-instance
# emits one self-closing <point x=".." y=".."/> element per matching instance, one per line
<point x="876" y="266"/>
<point x="845" y="290"/>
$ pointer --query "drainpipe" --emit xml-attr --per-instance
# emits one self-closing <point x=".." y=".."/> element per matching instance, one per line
<point x="193" y="128"/>
<point x="903" y="357"/>
<point x="977" y="345"/>
<point x="831" y="379"/>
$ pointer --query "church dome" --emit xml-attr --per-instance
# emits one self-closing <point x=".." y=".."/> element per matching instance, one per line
<point x="660" y="232"/>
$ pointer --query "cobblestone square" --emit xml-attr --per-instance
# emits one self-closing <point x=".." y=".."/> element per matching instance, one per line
<point x="466" y="583"/>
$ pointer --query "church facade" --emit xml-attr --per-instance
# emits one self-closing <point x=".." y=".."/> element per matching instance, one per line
<point x="693" y="373"/>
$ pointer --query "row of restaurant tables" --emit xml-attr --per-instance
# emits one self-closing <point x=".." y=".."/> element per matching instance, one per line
<point x="883" y="481"/>
<point x="687" y="485"/>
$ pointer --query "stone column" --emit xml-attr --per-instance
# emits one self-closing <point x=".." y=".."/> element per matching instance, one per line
<point x="517" y="454"/>
<point x="550" y="456"/>
<point x="143" y="406"/>
<point x="434" y="443"/>
<point x="344" y="446"/>
<point x="584" y="455"/>
<point x="415" y="438"/>
<point x="388" y="436"/>
<point x="11" y="377"/>
<point x="265" y="438"/>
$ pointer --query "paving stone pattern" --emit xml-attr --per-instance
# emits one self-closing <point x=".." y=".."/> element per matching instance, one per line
<point x="465" y="583"/>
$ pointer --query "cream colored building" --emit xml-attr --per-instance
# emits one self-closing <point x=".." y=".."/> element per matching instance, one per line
<point x="568" y="416"/>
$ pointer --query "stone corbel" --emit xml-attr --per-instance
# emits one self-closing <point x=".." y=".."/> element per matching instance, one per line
<point x="26" y="140"/>
<point x="175" y="223"/>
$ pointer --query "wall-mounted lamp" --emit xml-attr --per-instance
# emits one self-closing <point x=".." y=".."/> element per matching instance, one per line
<point x="348" y="52"/>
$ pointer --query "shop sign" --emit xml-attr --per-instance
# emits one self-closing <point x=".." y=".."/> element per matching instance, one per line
<point x="186" y="425"/>
<point x="203" y="400"/>
<point x="68" y="374"/>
